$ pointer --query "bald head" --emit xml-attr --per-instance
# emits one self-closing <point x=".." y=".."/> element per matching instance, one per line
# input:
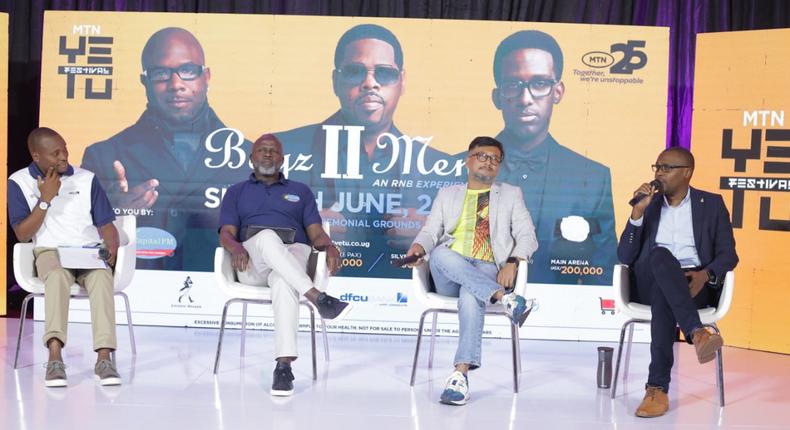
<point x="40" y="137"/>
<point x="683" y="153"/>
<point x="48" y="150"/>
<point x="166" y="39"/>
<point x="175" y="76"/>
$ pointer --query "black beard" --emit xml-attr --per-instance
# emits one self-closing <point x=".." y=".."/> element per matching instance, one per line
<point x="484" y="178"/>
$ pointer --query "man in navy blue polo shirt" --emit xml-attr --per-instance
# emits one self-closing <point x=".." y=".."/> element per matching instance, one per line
<point x="54" y="204"/>
<point x="268" y="199"/>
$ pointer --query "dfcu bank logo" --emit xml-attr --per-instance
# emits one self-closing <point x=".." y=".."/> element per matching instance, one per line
<point x="632" y="58"/>
<point x="399" y="299"/>
<point x="348" y="297"/>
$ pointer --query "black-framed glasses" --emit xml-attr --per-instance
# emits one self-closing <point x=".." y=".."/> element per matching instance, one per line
<point x="187" y="72"/>
<point x="666" y="168"/>
<point x="483" y="157"/>
<point x="537" y="88"/>
<point x="355" y="74"/>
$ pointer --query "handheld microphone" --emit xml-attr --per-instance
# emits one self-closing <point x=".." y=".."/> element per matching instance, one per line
<point x="400" y="262"/>
<point x="639" y="196"/>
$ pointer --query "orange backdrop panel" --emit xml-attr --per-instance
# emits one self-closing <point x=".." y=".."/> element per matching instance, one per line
<point x="741" y="96"/>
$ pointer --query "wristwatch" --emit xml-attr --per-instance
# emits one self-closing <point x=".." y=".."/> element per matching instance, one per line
<point x="513" y="260"/>
<point x="43" y="205"/>
<point x="712" y="279"/>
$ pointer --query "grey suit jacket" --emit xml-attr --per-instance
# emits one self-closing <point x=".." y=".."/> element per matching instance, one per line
<point x="510" y="224"/>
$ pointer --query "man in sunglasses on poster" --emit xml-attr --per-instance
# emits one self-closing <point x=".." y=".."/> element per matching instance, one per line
<point x="162" y="167"/>
<point x="357" y="172"/>
<point x="569" y="195"/>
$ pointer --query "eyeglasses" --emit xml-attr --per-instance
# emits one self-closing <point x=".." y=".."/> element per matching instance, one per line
<point x="666" y="168"/>
<point x="483" y="157"/>
<point x="537" y="88"/>
<point x="187" y="72"/>
<point x="355" y="74"/>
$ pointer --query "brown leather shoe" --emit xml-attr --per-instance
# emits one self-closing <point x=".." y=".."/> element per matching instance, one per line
<point x="655" y="403"/>
<point x="706" y="343"/>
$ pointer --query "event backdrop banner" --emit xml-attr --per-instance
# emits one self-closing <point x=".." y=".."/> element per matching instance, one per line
<point x="741" y="140"/>
<point x="3" y="147"/>
<point x="375" y="115"/>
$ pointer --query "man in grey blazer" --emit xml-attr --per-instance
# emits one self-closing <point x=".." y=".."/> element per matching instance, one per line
<point x="474" y="239"/>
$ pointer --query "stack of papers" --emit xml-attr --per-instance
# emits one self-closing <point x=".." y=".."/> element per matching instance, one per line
<point x="74" y="257"/>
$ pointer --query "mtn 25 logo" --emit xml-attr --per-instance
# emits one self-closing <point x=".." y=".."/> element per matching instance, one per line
<point x="633" y="58"/>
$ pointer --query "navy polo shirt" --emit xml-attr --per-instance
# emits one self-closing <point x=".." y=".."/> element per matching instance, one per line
<point x="19" y="209"/>
<point x="282" y="204"/>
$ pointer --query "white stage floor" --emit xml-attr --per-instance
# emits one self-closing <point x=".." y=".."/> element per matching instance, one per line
<point x="170" y="385"/>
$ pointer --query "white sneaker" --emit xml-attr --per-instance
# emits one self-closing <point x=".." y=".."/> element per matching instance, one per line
<point x="517" y="307"/>
<point x="456" y="391"/>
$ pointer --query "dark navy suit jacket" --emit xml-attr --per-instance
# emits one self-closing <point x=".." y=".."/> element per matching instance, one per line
<point x="182" y="207"/>
<point x="713" y="236"/>
<point x="558" y="182"/>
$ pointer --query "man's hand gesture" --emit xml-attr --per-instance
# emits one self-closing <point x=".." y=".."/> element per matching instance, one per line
<point x="142" y="196"/>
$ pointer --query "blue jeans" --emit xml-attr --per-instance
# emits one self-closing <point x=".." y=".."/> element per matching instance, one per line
<point x="473" y="282"/>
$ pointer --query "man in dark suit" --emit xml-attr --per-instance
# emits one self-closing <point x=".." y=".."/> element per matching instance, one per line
<point x="568" y="194"/>
<point x="170" y="167"/>
<point x="680" y="246"/>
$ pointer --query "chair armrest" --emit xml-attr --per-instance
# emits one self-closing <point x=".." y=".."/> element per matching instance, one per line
<point x="421" y="281"/>
<point x="727" y="291"/>
<point x="520" y="286"/>
<point x="24" y="267"/>
<point x="622" y="285"/>
<point x="125" y="263"/>
<point x="223" y="266"/>
<point x="321" y="273"/>
<point x="126" y="260"/>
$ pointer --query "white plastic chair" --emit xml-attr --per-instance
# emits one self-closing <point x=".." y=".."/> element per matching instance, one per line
<point x="246" y="294"/>
<point x="437" y="303"/>
<point x="641" y="314"/>
<point x="25" y="274"/>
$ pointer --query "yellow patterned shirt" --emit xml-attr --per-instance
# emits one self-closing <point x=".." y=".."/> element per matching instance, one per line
<point x="472" y="235"/>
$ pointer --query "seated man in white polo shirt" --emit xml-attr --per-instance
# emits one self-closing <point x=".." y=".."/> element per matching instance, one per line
<point x="54" y="204"/>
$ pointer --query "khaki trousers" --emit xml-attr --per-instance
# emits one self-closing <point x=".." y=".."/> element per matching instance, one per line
<point x="283" y="268"/>
<point x="57" y="292"/>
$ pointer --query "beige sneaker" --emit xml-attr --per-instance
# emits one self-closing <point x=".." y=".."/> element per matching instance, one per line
<point x="106" y="373"/>
<point x="56" y="374"/>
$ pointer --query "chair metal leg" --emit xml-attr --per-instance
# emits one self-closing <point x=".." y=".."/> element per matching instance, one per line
<point x="518" y="350"/>
<point x="129" y="321"/>
<point x="433" y="339"/>
<point x="243" y="328"/>
<point x="514" y="343"/>
<point x="22" y="317"/>
<point x="627" y="364"/>
<point x="719" y="367"/>
<point x="326" y="339"/>
<point x="312" y="341"/>
<point x="221" y="333"/>
<point x="417" y="348"/>
<point x="619" y="356"/>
